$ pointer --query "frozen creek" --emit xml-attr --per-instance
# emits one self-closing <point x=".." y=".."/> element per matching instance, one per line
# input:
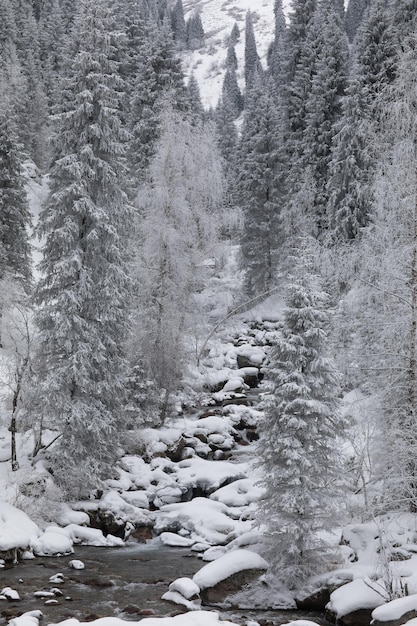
<point x="133" y="577"/>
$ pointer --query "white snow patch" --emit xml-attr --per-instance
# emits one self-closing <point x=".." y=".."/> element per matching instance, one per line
<point x="395" y="609"/>
<point x="227" y="565"/>
<point x="352" y="597"/>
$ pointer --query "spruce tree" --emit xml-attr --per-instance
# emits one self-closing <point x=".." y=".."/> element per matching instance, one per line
<point x="278" y="51"/>
<point x="195" y="32"/>
<point x="355" y="152"/>
<point x="355" y="12"/>
<point x="159" y="76"/>
<point x="317" y="88"/>
<point x="252" y="63"/>
<point x="299" y="435"/>
<point x="15" y="254"/>
<point x="83" y="290"/>
<point x="260" y="187"/>
<point x="231" y="93"/>
<point x="179" y="29"/>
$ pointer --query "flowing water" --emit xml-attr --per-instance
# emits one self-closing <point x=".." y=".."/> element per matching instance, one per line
<point x="133" y="577"/>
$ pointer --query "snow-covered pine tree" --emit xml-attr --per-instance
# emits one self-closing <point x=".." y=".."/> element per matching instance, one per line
<point x="227" y="137"/>
<point x="277" y="53"/>
<point x="159" y="73"/>
<point x="234" y="35"/>
<point x="231" y="93"/>
<point x="253" y="65"/>
<point x="355" y="150"/>
<point x="195" y="31"/>
<point x="33" y="103"/>
<point x="321" y="77"/>
<point x="83" y="289"/>
<point x="15" y="256"/>
<point x="231" y="58"/>
<point x="51" y="36"/>
<point x="194" y="97"/>
<point x="355" y="12"/>
<point x="179" y="29"/>
<point x="179" y="230"/>
<point x="298" y="446"/>
<point x="259" y="186"/>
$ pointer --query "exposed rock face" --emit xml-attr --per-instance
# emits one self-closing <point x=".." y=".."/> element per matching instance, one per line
<point x="316" y="601"/>
<point x="218" y="593"/>
<point x="361" y="617"/>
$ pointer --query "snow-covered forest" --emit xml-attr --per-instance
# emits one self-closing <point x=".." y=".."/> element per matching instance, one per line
<point x="208" y="294"/>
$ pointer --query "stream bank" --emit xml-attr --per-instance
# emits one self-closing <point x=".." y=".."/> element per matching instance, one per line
<point x="123" y="582"/>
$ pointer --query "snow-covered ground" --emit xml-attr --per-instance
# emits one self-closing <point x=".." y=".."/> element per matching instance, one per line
<point x="218" y="18"/>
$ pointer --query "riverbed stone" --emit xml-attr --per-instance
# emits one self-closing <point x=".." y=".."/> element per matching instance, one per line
<point x="219" y="592"/>
<point x="360" y="617"/>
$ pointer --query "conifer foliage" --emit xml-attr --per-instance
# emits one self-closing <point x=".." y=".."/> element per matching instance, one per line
<point x="298" y="444"/>
<point x="82" y="293"/>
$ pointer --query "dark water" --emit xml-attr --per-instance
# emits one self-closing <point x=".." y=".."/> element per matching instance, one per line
<point x="113" y="579"/>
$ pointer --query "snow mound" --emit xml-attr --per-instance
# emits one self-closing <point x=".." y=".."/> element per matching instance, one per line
<point x="227" y="565"/>
<point x="197" y="618"/>
<point x="16" y="528"/>
<point x="352" y="597"/>
<point x="395" y="609"/>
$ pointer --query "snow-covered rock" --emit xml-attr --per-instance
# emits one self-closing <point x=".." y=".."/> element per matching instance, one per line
<point x="17" y="530"/>
<point x="355" y="596"/>
<point x="395" y="610"/>
<point x="227" y="565"/>
<point x="197" y="618"/>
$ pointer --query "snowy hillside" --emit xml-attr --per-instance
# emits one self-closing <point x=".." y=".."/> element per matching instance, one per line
<point x="218" y="18"/>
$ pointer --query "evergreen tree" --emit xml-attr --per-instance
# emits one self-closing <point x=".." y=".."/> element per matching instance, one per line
<point x="298" y="435"/>
<point x="260" y="187"/>
<point x="15" y="256"/>
<point x="196" y="106"/>
<point x="231" y="58"/>
<point x="179" y="29"/>
<point x="355" y="150"/>
<point x="318" y="86"/>
<point x="159" y="74"/>
<point x="82" y="294"/>
<point x="355" y="12"/>
<point x="252" y="62"/>
<point x="51" y="36"/>
<point x="277" y="54"/>
<point x="195" y="32"/>
<point x="33" y="103"/>
<point x="234" y="35"/>
<point x="231" y="93"/>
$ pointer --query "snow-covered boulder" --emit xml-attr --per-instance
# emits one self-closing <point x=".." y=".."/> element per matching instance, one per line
<point x="17" y="530"/>
<point x="352" y="604"/>
<point x="396" y="612"/>
<point x="228" y="574"/>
